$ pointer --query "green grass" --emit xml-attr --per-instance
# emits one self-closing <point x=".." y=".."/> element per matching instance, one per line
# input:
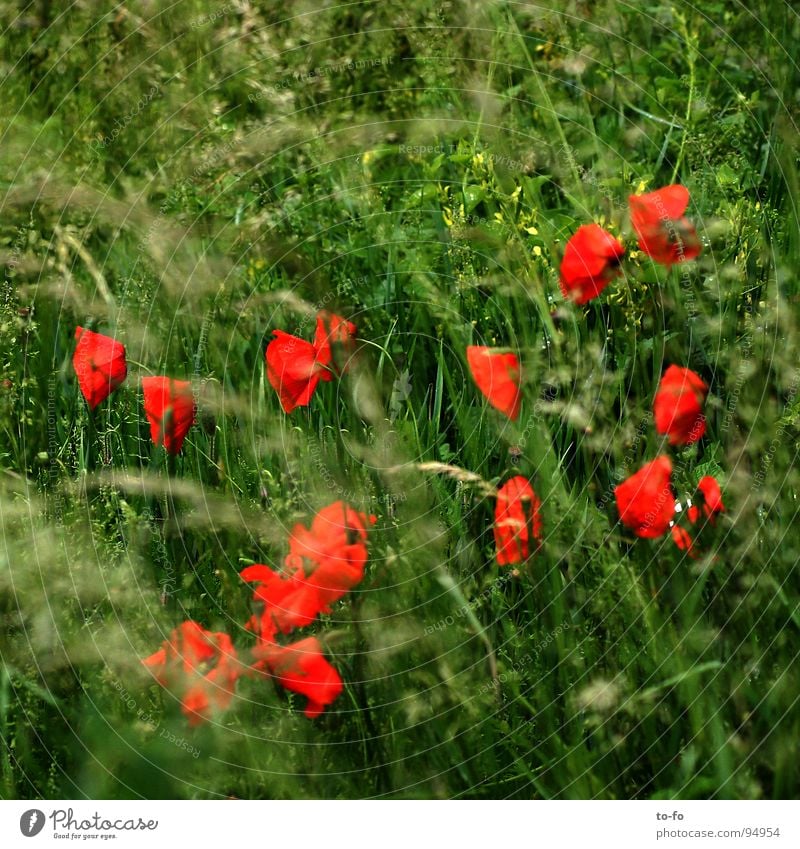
<point x="426" y="193"/>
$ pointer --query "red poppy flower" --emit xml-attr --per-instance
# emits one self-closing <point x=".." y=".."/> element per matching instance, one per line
<point x="645" y="500"/>
<point x="170" y="409"/>
<point x="334" y="335"/>
<point x="302" y="668"/>
<point x="711" y="497"/>
<point x="497" y="377"/>
<point x="292" y="369"/>
<point x="678" y="405"/>
<point x="200" y="667"/>
<point x="682" y="539"/>
<point x="665" y="234"/>
<point x="99" y="363"/>
<point x="285" y="603"/>
<point x="329" y="559"/>
<point x="324" y="563"/>
<point x="591" y="261"/>
<point x="517" y="521"/>
<point x="295" y="367"/>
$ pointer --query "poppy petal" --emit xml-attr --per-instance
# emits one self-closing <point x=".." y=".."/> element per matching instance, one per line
<point x="517" y="521"/>
<point x="664" y="233"/>
<point x="333" y="332"/>
<point x="497" y="377"/>
<point x="99" y="363"/>
<point x="302" y="668"/>
<point x="170" y="408"/>
<point x="645" y="500"/>
<point x="678" y="405"/>
<point x="292" y="369"/>
<point x="683" y="540"/>
<point x="200" y="666"/>
<point x="591" y="261"/>
<point x="712" y="496"/>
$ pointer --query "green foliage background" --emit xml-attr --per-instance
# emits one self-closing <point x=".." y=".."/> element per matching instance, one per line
<point x="191" y="176"/>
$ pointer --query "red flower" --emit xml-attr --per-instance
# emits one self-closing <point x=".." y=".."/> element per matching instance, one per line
<point x="292" y="369"/>
<point x="645" y="500"/>
<point x="516" y="520"/>
<point x="285" y="603"/>
<point x="591" y="261"/>
<point x="200" y="666"/>
<point x="665" y="234"/>
<point x="324" y="563"/>
<point x="170" y="409"/>
<point x="711" y="498"/>
<point x="678" y="405"/>
<point x="329" y="559"/>
<point x="497" y="377"/>
<point x="683" y="540"/>
<point x="333" y="332"/>
<point x="302" y="668"/>
<point x="99" y="363"/>
<point x="295" y="367"/>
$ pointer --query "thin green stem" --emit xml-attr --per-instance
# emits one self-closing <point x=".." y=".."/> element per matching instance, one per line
<point x="690" y="55"/>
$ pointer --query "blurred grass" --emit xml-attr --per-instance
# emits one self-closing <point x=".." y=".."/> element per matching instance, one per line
<point x="192" y="176"/>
